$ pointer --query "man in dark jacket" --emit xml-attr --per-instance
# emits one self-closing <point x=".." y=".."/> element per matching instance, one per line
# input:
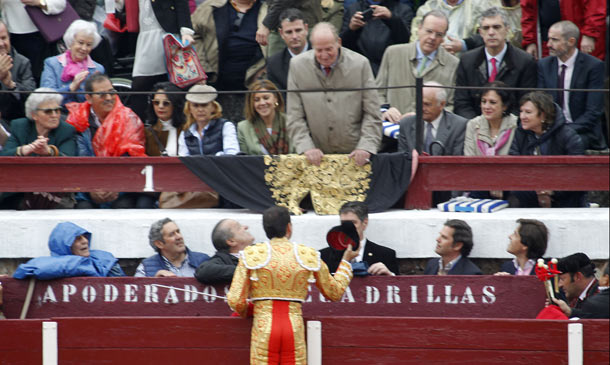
<point x="229" y="238"/>
<point x="388" y="23"/>
<point x="173" y="258"/>
<point x="577" y="280"/>
<point x="582" y="110"/>
<point x="293" y="30"/>
<point x="497" y="60"/>
<point x="15" y="75"/>
<point x="453" y="244"/>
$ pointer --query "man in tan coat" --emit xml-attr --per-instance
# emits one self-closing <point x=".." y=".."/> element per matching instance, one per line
<point x="332" y="122"/>
<point x="402" y="63"/>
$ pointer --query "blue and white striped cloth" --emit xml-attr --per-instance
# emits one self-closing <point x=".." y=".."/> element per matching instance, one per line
<point x="390" y="129"/>
<point x="463" y="204"/>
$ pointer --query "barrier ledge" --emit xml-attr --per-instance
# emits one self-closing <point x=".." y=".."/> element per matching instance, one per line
<point x="412" y="233"/>
<point x="413" y="296"/>
<point x="378" y="340"/>
<point x="459" y="173"/>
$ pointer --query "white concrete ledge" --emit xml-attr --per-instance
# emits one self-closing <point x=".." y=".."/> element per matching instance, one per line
<point x="411" y="233"/>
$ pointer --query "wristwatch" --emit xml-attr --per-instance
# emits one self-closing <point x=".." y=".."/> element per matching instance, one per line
<point x="43" y="4"/>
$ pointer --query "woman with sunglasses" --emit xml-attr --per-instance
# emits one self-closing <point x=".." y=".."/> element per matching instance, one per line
<point x="41" y="133"/>
<point x="165" y="120"/>
<point x="205" y="131"/>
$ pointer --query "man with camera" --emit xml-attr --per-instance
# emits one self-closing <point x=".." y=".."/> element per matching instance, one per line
<point x="370" y="29"/>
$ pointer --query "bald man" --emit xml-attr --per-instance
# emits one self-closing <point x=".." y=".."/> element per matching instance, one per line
<point x="332" y="122"/>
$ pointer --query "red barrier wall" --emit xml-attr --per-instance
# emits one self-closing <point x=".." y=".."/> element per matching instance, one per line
<point x="415" y="296"/>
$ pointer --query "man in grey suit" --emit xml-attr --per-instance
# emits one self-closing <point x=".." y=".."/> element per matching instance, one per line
<point x="443" y="131"/>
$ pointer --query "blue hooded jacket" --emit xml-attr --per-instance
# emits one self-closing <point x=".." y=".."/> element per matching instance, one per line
<point x="62" y="263"/>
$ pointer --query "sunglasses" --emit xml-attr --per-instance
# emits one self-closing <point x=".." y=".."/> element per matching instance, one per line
<point x="161" y="102"/>
<point x="103" y="94"/>
<point x="50" y="111"/>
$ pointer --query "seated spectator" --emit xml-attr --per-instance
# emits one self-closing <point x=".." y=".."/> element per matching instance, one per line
<point x="264" y="130"/>
<point x="497" y="60"/>
<point x="372" y="258"/>
<point x="229" y="238"/>
<point x="173" y="258"/>
<point x="543" y="131"/>
<point x="15" y="75"/>
<point x="71" y="255"/>
<point x="492" y="132"/>
<point x="107" y="128"/>
<point x="453" y="245"/>
<point x="225" y="41"/>
<point x="527" y="243"/>
<point x="402" y="63"/>
<point x="569" y="68"/>
<point x="577" y="280"/>
<point x="69" y="70"/>
<point x="389" y="24"/>
<point x="25" y="36"/>
<point x="444" y="131"/>
<point x="205" y="131"/>
<point x="293" y="30"/>
<point x="165" y="120"/>
<point x="42" y="133"/>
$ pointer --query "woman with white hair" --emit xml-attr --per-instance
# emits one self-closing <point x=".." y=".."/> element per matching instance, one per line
<point x="42" y="132"/>
<point x="68" y="71"/>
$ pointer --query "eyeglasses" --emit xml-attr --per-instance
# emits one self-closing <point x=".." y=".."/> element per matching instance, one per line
<point x="238" y="20"/>
<point x="50" y="111"/>
<point x="103" y="94"/>
<point x="163" y="103"/>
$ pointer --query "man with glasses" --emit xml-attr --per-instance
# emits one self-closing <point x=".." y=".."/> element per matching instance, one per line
<point x="105" y="127"/>
<point x="497" y="60"/>
<point x="425" y="58"/>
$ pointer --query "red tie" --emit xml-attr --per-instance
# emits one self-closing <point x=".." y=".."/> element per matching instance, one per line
<point x="327" y="70"/>
<point x="494" y="70"/>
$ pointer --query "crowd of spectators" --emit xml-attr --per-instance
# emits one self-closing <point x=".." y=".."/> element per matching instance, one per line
<point x="264" y="47"/>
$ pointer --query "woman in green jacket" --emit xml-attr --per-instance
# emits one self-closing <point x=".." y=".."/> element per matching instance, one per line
<point x="264" y="130"/>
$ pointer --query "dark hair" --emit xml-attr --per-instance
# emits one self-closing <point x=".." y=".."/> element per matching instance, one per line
<point x="544" y="103"/>
<point x="275" y="221"/>
<point x="578" y="262"/>
<point x="535" y="236"/>
<point x="95" y="78"/>
<point x="220" y="235"/>
<point x="262" y="86"/>
<point x="360" y="209"/>
<point x="461" y="233"/>
<point x="505" y="95"/>
<point x="290" y="15"/>
<point x="177" y="101"/>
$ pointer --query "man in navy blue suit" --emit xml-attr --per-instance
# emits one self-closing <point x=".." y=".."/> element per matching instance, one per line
<point x="568" y="68"/>
<point x="453" y="244"/>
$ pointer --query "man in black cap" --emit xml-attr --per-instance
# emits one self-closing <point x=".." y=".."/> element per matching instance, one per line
<point x="379" y="260"/>
<point x="577" y="279"/>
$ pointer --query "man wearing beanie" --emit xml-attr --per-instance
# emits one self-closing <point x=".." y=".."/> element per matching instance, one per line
<point x="577" y="279"/>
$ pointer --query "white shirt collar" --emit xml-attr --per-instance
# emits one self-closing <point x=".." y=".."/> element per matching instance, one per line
<point x="304" y="49"/>
<point x="499" y="57"/>
<point x="583" y="295"/>
<point x="569" y="62"/>
<point x="362" y="248"/>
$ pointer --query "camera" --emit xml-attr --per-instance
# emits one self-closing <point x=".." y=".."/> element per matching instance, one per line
<point x="367" y="14"/>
